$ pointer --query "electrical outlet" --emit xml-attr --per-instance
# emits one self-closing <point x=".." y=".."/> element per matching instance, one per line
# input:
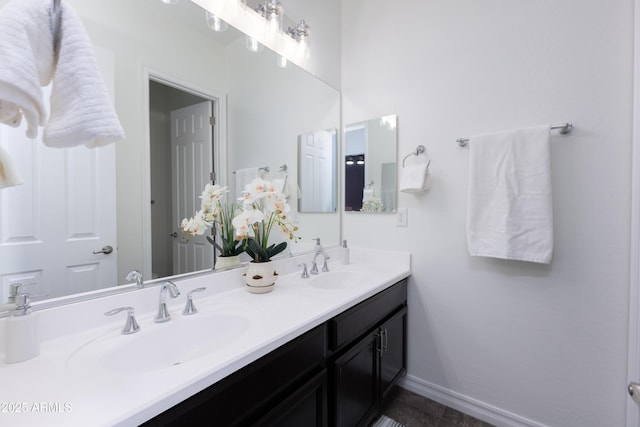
<point x="401" y="217"/>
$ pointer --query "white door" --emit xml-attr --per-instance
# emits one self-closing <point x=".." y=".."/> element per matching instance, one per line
<point x="51" y="225"/>
<point x="317" y="177"/>
<point x="191" y="168"/>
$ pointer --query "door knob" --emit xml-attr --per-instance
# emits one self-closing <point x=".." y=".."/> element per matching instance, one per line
<point x="634" y="392"/>
<point x="105" y="250"/>
<point x="174" y="234"/>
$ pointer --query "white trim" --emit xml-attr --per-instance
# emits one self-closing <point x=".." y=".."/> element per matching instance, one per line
<point x="468" y="405"/>
<point x="633" y="359"/>
<point x="219" y="148"/>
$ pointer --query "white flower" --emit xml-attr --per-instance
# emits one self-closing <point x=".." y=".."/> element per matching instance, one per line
<point x="196" y="225"/>
<point x="244" y="221"/>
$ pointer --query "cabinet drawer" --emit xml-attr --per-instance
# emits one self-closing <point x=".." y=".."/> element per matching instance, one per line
<point x="361" y="318"/>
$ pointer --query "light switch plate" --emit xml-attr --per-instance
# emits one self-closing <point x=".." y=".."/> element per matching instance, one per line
<point x="401" y="217"/>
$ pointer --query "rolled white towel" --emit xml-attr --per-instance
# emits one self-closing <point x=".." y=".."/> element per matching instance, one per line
<point x="415" y="178"/>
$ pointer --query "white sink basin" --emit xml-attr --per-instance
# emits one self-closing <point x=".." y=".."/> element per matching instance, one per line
<point x="161" y="346"/>
<point x="336" y="280"/>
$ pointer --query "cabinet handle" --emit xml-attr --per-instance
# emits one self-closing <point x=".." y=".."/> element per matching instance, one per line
<point x="379" y="342"/>
<point x="385" y="340"/>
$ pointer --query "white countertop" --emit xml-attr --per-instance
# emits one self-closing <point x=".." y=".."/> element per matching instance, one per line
<point x="68" y="385"/>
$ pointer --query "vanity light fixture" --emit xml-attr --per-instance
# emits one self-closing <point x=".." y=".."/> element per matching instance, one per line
<point x="360" y="160"/>
<point x="215" y="23"/>
<point x="272" y="11"/>
<point x="300" y="32"/>
<point x="350" y="160"/>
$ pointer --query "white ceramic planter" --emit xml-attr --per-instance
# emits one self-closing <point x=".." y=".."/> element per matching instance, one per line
<point x="260" y="277"/>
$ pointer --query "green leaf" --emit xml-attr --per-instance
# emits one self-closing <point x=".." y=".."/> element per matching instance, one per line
<point x="255" y="251"/>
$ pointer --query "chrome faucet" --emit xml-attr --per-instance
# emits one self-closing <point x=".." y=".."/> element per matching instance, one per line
<point x="136" y="276"/>
<point x="319" y="251"/>
<point x="163" y="314"/>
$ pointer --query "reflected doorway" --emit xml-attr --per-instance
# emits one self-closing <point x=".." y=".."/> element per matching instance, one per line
<point x="181" y="163"/>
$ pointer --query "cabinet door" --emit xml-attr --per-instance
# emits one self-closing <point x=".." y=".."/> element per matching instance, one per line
<point x="305" y="407"/>
<point x="354" y="374"/>
<point x="392" y="348"/>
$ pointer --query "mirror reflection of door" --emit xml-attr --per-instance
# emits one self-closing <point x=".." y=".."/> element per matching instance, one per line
<point x="181" y="131"/>
<point x="354" y="163"/>
<point x="317" y="171"/>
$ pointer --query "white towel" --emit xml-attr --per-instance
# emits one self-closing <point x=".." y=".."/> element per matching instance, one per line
<point x="415" y="178"/>
<point x="509" y="211"/>
<point x="81" y="111"/>
<point x="26" y="63"/>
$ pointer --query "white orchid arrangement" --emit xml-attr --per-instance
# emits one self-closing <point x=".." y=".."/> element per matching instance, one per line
<point x="215" y="213"/>
<point x="262" y="208"/>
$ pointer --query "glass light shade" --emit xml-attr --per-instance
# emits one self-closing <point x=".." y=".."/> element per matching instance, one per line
<point x="252" y="44"/>
<point x="215" y="23"/>
<point x="282" y="61"/>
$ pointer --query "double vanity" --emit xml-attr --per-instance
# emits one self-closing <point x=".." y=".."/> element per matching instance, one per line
<point x="322" y="350"/>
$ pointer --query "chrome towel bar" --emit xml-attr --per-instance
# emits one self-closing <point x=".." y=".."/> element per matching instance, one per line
<point x="564" y="128"/>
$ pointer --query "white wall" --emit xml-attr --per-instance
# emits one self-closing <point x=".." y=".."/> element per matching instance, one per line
<point x="510" y="341"/>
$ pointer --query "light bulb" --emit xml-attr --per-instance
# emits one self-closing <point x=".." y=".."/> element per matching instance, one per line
<point x="215" y="23"/>
<point x="252" y="44"/>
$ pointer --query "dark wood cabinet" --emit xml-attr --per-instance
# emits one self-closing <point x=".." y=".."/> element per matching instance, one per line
<point x="337" y="374"/>
<point x="367" y="364"/>
<point x="354" y="393"/>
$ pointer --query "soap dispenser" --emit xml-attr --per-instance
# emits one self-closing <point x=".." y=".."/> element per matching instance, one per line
<point x="22" y="338"/>
<point x="344" y="253"/>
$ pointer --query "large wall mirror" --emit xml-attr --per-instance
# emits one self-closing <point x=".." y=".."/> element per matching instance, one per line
<point x="370" y="162"/>
<point x="160" y="60"/>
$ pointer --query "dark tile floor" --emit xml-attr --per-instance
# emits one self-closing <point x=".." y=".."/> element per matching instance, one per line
<point x="414" y="410"/>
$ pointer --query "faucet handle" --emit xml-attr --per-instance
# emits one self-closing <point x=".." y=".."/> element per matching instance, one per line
<point x="314" y="268"/>
<point x="189" y="308"/>
<point x="318" y="245"/>
<point x="131" y="326"/>
<point x="305" y="273"/>
<point x="325" y="267"/>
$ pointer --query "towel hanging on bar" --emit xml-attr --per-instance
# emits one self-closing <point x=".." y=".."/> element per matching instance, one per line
<point x="564" y="128"/>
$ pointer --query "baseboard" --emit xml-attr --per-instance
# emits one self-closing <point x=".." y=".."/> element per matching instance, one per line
<point x="468" y="405"/>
